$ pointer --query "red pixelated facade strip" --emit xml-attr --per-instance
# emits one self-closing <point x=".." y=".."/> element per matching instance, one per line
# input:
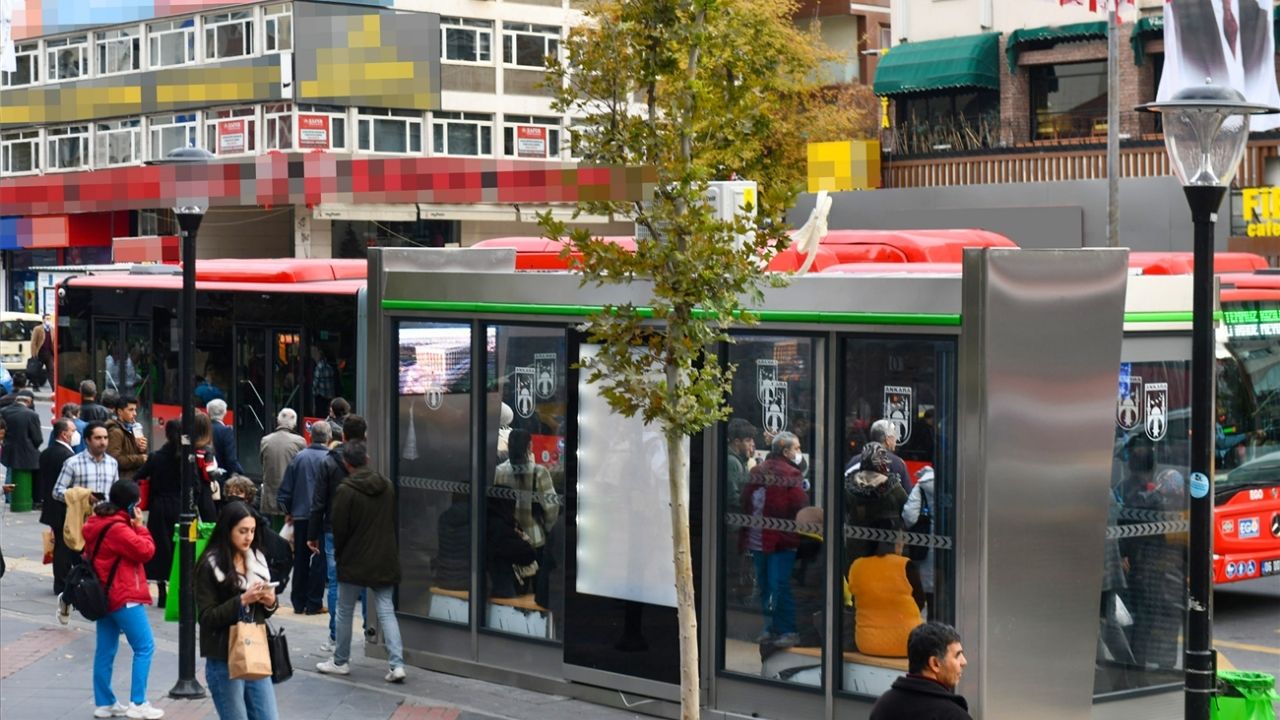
<point x="278" y="179"/>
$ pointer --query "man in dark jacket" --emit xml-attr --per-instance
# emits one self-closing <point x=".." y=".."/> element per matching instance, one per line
<point x="935" y="662"/>
<point x="90" y="410"/>
<point x="22" y="448"/>
<point x="364" y="544"/>
<point x="54" y="512"/>
<point x="319" y="526"/>
<point x="224" y="437"/>
<point x="295" y="496"/>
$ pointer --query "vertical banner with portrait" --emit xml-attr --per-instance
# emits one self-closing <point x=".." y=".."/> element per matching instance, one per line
<point x="1227" y="42"/>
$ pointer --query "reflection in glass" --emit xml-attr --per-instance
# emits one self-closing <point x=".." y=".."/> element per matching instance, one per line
<point x="433" y="451"/>
<point x="524" y="535"/>
<point x="1145" y="557"/>
<point x="773" y="565"/>
<point x="896" y="524"/>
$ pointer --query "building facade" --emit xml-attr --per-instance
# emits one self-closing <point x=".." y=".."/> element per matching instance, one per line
<point x="323" y="96"/>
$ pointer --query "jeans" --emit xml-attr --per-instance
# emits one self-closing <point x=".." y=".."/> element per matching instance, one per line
<point x="239" y="699"/>
<point x="332" y="566"/>
<point x="383" y="603"/>
<point x="773" y="574"/>
<point x="307" y="592"/>
<point x="132" y="621"/>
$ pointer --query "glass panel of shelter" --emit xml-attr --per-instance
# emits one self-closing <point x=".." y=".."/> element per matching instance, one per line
<point x="108" y="339"/>
<point x="1141" y="613"/>
<point x="433" y="465"/>
<point x="524" y="518"/>
<point x="252" y="417"/>
<point x="897" y="501"/>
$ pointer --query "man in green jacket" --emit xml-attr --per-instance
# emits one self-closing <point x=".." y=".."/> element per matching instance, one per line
<point x="364" y="544"/>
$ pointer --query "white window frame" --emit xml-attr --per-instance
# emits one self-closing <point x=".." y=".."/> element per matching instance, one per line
<point x="158" y="32"/>
<point x="8" y="140"/>
<point x="158" y="124"/>
<point x="483" y="31"/>
<point x="441" y="122"/>
<point x="336" y="115"/>
<point x="370" y="120"/>
<point x="213" y="119"/>
<point x="276" y="18"/>
<point x="216" y="23"/>
<point x="274" y="117"/>
<point x="554" y="134"/>
<point x="75" y="44"/>
<point x="104" y="131"/>
<point x="31" y="51"/>
<point x="74" y="135"/>
<point x="512" y="33"/>
<point x="104" y="40"/>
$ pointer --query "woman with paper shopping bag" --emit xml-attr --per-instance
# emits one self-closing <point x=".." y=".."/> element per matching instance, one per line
<point x="234" y="598"/>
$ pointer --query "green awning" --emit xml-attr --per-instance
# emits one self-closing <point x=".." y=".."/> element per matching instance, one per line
<point x="957" y="62"/>
<point x="1026" y="38"/>
<point x="1142" y="31"/>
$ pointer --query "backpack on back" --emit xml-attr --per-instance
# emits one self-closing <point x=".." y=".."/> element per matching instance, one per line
<point x="83" y="590"/>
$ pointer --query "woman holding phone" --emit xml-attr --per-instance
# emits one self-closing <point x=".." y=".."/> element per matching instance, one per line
<point x="118" y="562"/>
<point x="233" y="582"/>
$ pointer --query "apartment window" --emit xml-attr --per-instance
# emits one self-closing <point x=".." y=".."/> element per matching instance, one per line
<point x="118" y="50"/>
<point x="231" y="131"/>
<point x="531" y="136"/>
<point x="117" y="142"/>
<point x="228" y="35"/>
<point x="1068" y="99"/>
<point x="466" y="40"/>
<point x="528" y="45"/>
<point x="67" y="58"/>
<point x="170" y="132"/>
<point x="20" y="152"/>
<point x="277" y="121"/>
<point x="461" y="134"/>
<point x="396" y="131"/>
<point x="27" y="57"/>
<point x="278" y="27"/>
<point x="67" y="147"/>
<point x="172" y="43"/>
<point x="323" y="127"/>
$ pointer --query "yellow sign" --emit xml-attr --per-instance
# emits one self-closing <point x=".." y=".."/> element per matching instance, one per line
<point x="1260" y="211"/>
<point x="846" y="165"/>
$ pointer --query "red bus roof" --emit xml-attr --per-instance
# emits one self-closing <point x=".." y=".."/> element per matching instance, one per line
<point x="922" y="245"/>
<point x="1181" y="263"/>
<point x="280" y="270"/>
<point x="921" y="268"/>
<point x="174" y="282"/>
<point x="539" y="253"/>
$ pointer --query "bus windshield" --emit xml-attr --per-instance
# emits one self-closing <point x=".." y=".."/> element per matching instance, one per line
<point x="1247" y="445"/>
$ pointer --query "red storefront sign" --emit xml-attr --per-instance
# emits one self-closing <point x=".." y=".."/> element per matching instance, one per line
<point x="313" y="132"/>
<point x="231" y="136"/>
<point x="531" y="141"/>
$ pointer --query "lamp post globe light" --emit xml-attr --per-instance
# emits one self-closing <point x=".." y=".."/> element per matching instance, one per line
<point x="1206" y="129"/>
<point x="189" y="212"/>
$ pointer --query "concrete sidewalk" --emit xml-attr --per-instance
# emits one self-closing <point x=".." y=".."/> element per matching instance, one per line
<point x="46" y="669"/>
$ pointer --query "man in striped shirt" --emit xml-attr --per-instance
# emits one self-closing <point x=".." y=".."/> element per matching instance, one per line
<point x="91" y="468"/>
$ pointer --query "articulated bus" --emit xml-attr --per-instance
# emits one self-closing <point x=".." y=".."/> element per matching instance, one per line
<point x="270" y="334"/>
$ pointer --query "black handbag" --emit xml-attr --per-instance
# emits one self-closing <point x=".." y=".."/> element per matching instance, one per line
<point x="278" y="644"/>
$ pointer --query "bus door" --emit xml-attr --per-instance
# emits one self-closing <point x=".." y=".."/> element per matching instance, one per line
<point x="268" y="379"/>
<point x="122" y="357"/>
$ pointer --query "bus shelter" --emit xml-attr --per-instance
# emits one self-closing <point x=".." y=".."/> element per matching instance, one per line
<point x="534" y="530"/>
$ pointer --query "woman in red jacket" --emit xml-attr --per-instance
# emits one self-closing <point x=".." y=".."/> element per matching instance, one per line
<point x="772" y="497"/>
<point x="126" y="546"/>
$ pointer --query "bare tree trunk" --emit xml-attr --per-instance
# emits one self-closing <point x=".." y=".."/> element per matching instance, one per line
<point x="678" y="480"/>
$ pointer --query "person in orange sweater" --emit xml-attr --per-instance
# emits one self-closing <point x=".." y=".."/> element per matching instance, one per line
<point x="887" y="595"/>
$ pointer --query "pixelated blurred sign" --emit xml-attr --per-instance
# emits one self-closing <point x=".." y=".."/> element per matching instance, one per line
<point x="531" y="141"/>
<point x="230" y="136"/>
<point x="844" y="165"/>
<point x="313" y="131"/>
<point x="8" y="56"/>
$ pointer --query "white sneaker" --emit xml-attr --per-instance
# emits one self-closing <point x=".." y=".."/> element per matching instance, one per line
<point x="64" y="616"/>
<point x="145" y="711"/>
<point x="329" y="667"/>
<point x="328" y="647"/>
<point x="396" y="675"/>
<point x="107" y="711"/>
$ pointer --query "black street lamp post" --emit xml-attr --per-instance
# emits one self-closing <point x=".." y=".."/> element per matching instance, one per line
<point x="1206" y="129"/>
<point x="189" y="211"/>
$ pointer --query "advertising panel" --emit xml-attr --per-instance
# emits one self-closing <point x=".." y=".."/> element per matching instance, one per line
<point x="231" y="136"/>
<point x="313" y="132"/>
<point x="531" y="141"/>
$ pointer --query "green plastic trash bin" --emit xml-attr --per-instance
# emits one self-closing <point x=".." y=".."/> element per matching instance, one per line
<point x="1244" y="695"/>
<point x="203" y="531"/>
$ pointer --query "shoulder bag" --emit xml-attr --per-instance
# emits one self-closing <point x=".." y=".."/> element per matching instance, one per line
<point x="83" y="590"/>
<point x="281" y="665"/>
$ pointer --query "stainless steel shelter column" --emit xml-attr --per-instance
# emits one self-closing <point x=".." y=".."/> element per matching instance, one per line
<point x="1039" y="357"/>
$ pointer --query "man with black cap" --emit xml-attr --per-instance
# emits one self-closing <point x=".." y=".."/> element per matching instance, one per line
<point x="21" y="452"/>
